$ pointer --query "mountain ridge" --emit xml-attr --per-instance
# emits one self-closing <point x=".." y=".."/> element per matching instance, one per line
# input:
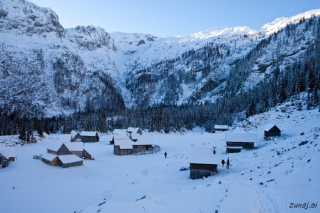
<point x="86" y="67"/>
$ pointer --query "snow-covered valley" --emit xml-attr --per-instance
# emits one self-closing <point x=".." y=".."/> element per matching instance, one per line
<point x="269" y="178"/>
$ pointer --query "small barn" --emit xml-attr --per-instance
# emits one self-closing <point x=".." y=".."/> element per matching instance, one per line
<point x="122" y="146"/>
<point x="221" y="127"/>
<point x="117" y="133"/>
<point x="271" y="131"/>
<point x="237" y="141"/>
<point x="7" y="154"/>
<point x="4" y="161"/>
<point x="126" y="146"/>
<point x="66" y="161"/>
<point x="77" y="149"/>
<point x="141" y="143"/>
<point x="203" y="162"/>
<point x="86" y="136"/>
<point x="59" y="149"/>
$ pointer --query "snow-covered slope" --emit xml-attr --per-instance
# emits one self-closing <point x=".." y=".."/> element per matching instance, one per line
<point x="85" y="67"/>
<point x="271" y="178"/>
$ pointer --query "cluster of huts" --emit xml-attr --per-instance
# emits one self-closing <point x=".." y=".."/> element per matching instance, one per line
<point x="131" y="141"/>
<point x="70" y="151"/>
<point x="7" y="154"/>
<point x="204" y="162"/>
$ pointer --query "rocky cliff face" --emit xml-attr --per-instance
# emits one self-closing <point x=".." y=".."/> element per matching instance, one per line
<point x="25" y="18"/>
<point x="47" y="70"/>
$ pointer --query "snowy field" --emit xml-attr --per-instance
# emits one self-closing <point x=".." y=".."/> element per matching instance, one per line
<point x="271" y="178"/>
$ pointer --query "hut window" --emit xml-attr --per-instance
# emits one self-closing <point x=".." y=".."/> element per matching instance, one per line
<point x="135" y="147"/>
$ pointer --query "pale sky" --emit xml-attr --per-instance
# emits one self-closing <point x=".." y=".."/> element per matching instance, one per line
<point x="173" y="17"/>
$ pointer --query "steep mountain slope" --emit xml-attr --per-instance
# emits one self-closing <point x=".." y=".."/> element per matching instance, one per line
<point x="47" y="70"/>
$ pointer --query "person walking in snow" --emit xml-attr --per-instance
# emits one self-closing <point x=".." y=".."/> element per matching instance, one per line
<point x="165" y="154"/>
<point x="223" y="162"/>
<point x="228" y="163"/>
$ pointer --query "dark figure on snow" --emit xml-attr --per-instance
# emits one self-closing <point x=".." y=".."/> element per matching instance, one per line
<point x="228" y="163"/>
<point x="223" y="162"/>
<point x="165" y="154"/>
<point x="214" y="151"/>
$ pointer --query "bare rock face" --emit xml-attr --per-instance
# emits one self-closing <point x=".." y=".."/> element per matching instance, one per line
<point x="22" y="17"/>
<point x="88" y="37"/>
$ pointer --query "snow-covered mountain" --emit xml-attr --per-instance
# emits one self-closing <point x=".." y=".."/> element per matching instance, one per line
<point x="46" y="69"/>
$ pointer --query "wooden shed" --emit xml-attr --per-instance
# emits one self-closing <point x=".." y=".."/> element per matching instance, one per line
<point x="221" y="127"/>
<point x="66" y="161"/>
<point x="126" y="146"/>
<point x="59" y="149"/>
<point x="118" y="133"/>
<point x="4" y="161"/>
<point x="7" y="154"/>
<point x="237" y="141"/>
<point x="271" y="131"/>
<point x="203" y="162"/>
<point x="86" y="136"/>
<point x="77" y="148"/>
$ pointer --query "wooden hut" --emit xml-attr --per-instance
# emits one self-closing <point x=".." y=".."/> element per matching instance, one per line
<point x="127" y="146"/>
<point x="66" y="161"/>
<point x="4" y="161"/>
<point x="271" y="131"/>
<point x="237" y="141"/>
<point x="59" y="149"/>
<point x="203" y="162"/>
<point x="221" y="128"/>
<point x="117" y="133"/>
<point x="77" y="149"/>
<point x="7" y="154"/>
<point x="86" y="136"/>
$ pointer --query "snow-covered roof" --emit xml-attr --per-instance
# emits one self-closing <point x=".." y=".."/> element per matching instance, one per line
<point x="48" y="156"/>
<point x="87" y="133"/>
<point x="55" y="146"/>
<point x="8" y="152"/>
<point x="73" y="133"/>
<point x="74" y="146"/>
<point x="203" y="156"/>
<point x="121" y="135"/>
<point x="135" y="136"/>
<point x="124" y="143"/>
<point x="221" y="126"/>
<point x="65" y="138"/>
<point x="268" y="127"/>
<point x="235" y="147"/>
<point x="69" y="158"/>
<point x="133" y="129"/>
<point x="119" y="131"/>
<point x="241" y="137"/>
<point x="144" y="139"/>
